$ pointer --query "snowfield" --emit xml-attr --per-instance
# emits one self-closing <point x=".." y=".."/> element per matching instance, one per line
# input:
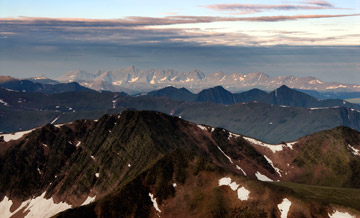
<point x="36" y="207"/>
<point x="16" y="135"/>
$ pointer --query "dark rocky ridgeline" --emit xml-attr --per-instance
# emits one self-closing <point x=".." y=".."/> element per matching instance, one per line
<point x="122" y="159"/>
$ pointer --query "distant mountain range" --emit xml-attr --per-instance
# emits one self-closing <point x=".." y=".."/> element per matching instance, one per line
<point x="134" y="80"/>
<point x="272" y="121"/>
<point x="39" y="84"/>
<point x="149" y="164"/>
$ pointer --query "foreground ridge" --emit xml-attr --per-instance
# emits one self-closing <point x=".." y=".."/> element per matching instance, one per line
<point x="145" y="163"/>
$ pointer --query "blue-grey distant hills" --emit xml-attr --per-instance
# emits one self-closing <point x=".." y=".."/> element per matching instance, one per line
<point x="266" y="121"/>
<point x="283" y="95"/>
<point x="37" y="84"/>
<point x="132" y="80"/>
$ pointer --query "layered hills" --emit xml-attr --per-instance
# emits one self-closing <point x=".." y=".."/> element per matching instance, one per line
<point x="149" y="164"/>
<point x="273" y="121"/>
<point x="281" y="96"/>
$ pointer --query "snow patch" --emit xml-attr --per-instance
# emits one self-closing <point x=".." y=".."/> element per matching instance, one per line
<point x="284" y="207"/>
<point x="129" y="165"/>
<point x="233" y="135"/>
<point x="78" y="144"/>
<point x="234" y="186"/>
<point x="133" y="79"/>
<point x="243" y="194"/>
<point x="336" y="87"/>
<point x="97" y="175"/>
<point x="202" y="127"/>
<point x="339" y="214"/>
<point x="174" y="185"/>
<point x="92" y="157"/>
<point x="16" y="135"/>
<point x="154" y="202"/>
<point x="88" y="200"/>
<point x="272" y="164"/>
<point x="5" y="206"/>
<point x="224" y="181"/>
<point x="4" y="103"/>
<point x="273" y="148"/>
<point x="262" y="177"/>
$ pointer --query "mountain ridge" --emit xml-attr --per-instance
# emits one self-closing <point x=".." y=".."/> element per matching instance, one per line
<point x="147" y="80"/>
<point x="140" y="152"/>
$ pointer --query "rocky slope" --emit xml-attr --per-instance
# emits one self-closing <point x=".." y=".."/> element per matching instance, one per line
<point x="148" y="164"/>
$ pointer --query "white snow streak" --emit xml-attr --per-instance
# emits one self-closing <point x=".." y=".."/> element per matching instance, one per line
<point x="154" y="203"/>
<point x="272" y="164"/>
<point x="52" y="122"/>
<point x="202" y="127"/>
<point x="88" y="200"/>
<point x="225" y="154"/>
<point x="239" y="168"/>
<point x="284" y="207"/>
<point x="4" y="103"/>
<point x="262" y="177"/>
<point x="354" y="150"/>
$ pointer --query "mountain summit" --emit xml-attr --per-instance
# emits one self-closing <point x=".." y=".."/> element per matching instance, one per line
<point x="148" y="164"/>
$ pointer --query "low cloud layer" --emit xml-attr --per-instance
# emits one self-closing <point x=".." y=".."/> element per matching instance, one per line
<point x="53" y="46"/>
<point x="141" y="31"/>
<point x="307" y="5"/>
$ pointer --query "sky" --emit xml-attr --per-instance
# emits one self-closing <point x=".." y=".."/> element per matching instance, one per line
<point x="301" y="38"/>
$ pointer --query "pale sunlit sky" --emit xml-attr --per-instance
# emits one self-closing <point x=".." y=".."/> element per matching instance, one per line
<point x="301" y="38"/>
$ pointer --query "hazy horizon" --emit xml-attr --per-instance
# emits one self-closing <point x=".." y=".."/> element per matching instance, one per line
<point x="299" y="38"/>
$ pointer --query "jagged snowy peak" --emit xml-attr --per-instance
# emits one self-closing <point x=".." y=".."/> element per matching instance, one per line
<point x="150" y="79"/>
<point x="78" y="76"/>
